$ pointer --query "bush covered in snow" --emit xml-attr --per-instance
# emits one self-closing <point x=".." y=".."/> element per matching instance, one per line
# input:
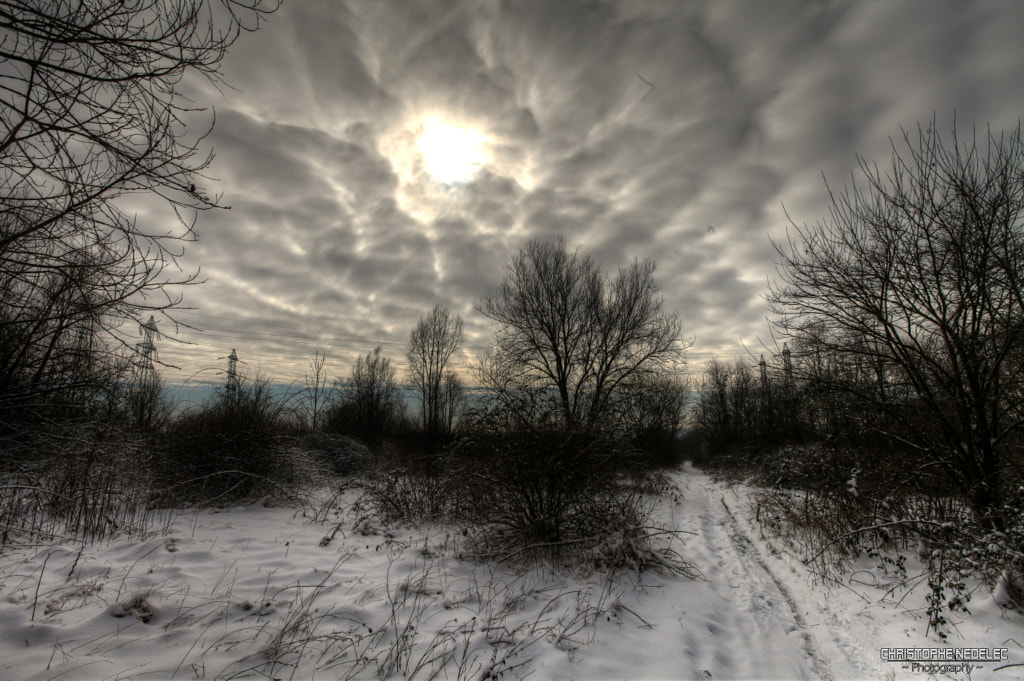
<point x="834" y="509"/>
<point x="523" y="491"/>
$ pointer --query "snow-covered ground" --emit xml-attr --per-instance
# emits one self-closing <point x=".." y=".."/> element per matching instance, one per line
<point x="271" y="592"/>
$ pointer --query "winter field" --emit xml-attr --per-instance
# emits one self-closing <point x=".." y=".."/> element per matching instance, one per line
<point x="325" y="591"/>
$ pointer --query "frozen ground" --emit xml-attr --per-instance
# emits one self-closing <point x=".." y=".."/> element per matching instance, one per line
<point x="263" y="592"/>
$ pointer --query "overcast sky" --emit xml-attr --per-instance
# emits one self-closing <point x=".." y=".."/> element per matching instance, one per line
<point x="674" y="130"/>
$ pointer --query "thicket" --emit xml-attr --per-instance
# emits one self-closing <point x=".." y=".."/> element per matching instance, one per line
<point x="75" y="445"/>
<point x="743" y="412"/>
<point x="525" y="488"/>
<point x="369" y="404"/>
<point x="78" y="481"/>
<point x="232" y="446"/>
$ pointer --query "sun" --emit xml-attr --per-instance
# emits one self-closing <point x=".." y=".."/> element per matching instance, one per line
<point x="451" y="154"/>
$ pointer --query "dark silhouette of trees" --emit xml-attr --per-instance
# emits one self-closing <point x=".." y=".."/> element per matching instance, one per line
<point x="145" y="401"/>
<point x="453" y="401"/>
<point x="653" y="412"/>
<point x="562" y="326"/>
<point x="90" y="112"/>
<point x="370" y="402"/>
<point x="913" y="291"/>
<point x="713" y="412"/>
<point x="234" y="445"/>
<point x="432" y="344"/>
<point x="750" y="409"/>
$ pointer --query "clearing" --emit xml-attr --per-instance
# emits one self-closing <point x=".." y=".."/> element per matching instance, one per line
<point x="326" y="592"/>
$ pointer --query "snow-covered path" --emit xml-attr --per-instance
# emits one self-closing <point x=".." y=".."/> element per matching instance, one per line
<point x="815" y="630"/>
<point x="788" y="638"/>
<point x="760" y="615"/>
<point x="741" y="622"/>
<point x="265" y="592"/>
<point x="743" y="600"/>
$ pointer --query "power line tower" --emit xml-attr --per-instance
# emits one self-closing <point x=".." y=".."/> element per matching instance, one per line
<point x="232" y="384"/>
<point x="787" y="367"/>
<point x="144" y="390"/>
<point x="146" y="350"/>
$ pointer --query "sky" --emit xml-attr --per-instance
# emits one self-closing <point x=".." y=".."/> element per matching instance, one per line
<point x="383" y="157"/>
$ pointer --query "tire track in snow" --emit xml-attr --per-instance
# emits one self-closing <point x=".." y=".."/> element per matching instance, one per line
<point x="837" y="652"/>
<point x="744" y="544"/>
<point x="743" y="629"/>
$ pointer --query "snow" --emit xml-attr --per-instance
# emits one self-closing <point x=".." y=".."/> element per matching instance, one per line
<point x="259" y="591"/>
<point x="851" y="484"/>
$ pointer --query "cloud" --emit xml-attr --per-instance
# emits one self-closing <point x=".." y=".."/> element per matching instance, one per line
<point x="676" y="131"/>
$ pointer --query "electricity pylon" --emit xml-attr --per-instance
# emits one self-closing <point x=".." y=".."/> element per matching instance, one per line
<point x="146" y="350"/>
<point x="232" y="384"/>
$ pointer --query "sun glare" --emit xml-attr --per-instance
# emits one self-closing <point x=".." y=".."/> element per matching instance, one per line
<point x="451" y="154"/>
<point x="436" y="155"/>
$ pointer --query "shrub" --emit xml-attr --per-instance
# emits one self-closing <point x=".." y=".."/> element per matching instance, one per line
<point x="399" y="494"/>
<point x="342" y="455"/>
<point x="835" y="505"/>
<point x="524" y="488"/>
<point x="541" y="485"/>
<point x="88" y="482"/>
<point x="233" y="446"/>
<point x="652" y="412"/>
<point x="532" y="490"/>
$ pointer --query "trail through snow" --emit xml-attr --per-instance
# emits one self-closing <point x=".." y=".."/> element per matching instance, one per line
<point x="743" y="621"/>
<point x="833" y="631"/>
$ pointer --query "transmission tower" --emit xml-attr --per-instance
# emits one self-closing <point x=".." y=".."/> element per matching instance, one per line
<point x="787" y="366"/>
<point x="232" y="384"/>
<point x="146" y="350"/>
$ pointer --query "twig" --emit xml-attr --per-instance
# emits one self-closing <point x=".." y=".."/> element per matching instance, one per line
<point x="541" y="545"/>
<point x="35" y="601"/>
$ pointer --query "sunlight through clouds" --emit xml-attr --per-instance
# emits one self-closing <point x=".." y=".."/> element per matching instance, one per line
<point x="445" y="164"/>
<point x="452" y="154"/>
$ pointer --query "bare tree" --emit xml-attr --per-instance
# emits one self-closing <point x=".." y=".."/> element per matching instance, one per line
<point x="432" y="344"/>
<point x="90" y="112"/>
<point x="317" y="389"/>
<point x="712" y="413"/>
<point x="915" y="285"/>
<point x="565" y="327"/>
<point x="653" y="412"/>
<point x="716" y="413"/>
